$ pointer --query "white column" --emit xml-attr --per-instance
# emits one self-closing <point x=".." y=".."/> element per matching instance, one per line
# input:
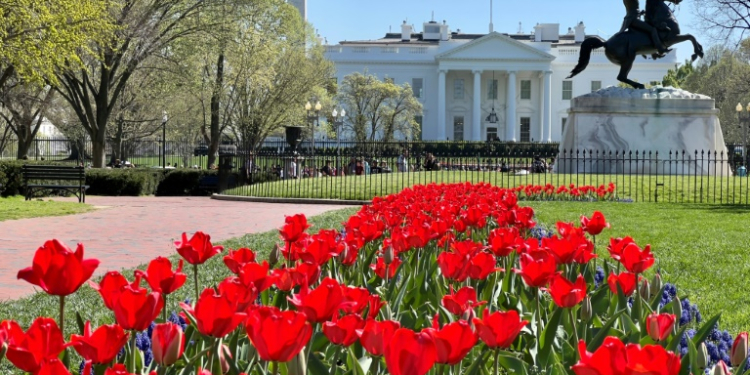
<point x="476" y="116"/>
<point x="441" y="106"/>
<point x="510" y="108"/>
<point x="547" y="107"/>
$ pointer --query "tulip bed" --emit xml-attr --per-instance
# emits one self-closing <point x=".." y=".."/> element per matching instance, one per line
<point x="444" y="279"/>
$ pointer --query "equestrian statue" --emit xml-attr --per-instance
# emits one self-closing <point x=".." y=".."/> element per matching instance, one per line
<point x="652" y="36"/>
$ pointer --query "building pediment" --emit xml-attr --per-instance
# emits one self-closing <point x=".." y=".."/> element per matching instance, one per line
<point x="495" y="46"/>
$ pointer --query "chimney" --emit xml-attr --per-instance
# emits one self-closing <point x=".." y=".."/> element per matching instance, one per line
<point x="445" y="32"/>
<point x="580" y="32"/>
<point x="405" y="32"/>
<point x="538" y="33"/>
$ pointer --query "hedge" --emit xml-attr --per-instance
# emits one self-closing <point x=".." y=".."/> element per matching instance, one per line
<point x="117" y="182"/>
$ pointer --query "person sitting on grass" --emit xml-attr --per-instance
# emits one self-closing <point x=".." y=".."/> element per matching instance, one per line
<point x="430" y="163"/>
<point x="327" y="170"/>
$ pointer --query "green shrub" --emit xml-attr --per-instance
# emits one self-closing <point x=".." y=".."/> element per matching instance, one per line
<point x="127" y="182"/>
<point x="11" y="176"/>
<point x="181" y="182"/>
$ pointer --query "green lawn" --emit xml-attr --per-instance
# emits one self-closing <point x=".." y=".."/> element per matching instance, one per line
<point x="642" y="188"/>
<point x="12" y="208"/>
<point x="701" y="248"/>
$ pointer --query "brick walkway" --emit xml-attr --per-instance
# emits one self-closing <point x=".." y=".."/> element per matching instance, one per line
<point x="128" y="231"/>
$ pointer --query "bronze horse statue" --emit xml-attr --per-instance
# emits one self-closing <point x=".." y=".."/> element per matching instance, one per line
<point x="622" y="48"/>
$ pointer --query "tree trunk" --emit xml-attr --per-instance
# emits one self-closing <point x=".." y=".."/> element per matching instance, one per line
<point x="215" y="137"/>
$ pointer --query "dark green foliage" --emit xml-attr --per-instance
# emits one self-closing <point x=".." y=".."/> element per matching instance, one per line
<point x="117" y="182"/>
<point x="181" y="182"/>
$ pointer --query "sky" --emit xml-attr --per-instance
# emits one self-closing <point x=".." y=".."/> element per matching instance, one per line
<point x="338" y="20"/>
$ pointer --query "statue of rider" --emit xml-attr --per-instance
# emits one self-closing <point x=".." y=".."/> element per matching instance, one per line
<point x="632" y="21"/>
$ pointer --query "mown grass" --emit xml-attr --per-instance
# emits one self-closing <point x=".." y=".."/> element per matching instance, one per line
<point x="701" y="248"/>
<point x="642" y="188"/>
<point x="13" y="208"/>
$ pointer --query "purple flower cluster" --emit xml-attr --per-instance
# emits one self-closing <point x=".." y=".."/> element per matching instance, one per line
<point x="690" y="311"/>
<point x="598" y="277"/>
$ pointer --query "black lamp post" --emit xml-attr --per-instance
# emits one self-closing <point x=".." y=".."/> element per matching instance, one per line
<point x="313" y="118"/>
<point x="338" y="121"/>
<point x="164" y="120"/>
<point x="744" y="120"/>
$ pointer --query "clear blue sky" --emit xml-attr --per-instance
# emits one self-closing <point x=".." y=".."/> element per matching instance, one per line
<point x="339" y="20"/>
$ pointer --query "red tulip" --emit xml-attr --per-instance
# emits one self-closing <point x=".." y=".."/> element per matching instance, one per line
<point x="651" y="359"/>
<point x="380" y="267"/>
<point x="118" y="369"/>
<point x="375" y="335"/>
<point x="355" y="299"/>
<point x="277" y="335"/>
<point x="41" y="342"/>
<point x="617" y="245"/>
<point x="294" y="227"/>
<point x="659" y="326"/>
<point x="134" y="307"/>
<point x="319" y="247"/>
<point x="9" y="330"/>
<point x="499" y="329"/>
<point x="238" y="258"/>
<point x="465" y="299"/>
<point x="343" y="331"/>
<point x="502" y="241"/>
<point x="721" y="369"/>
<point x="52" y="367"/>
<point x="482" y="265"/>
<point x="198" y="249"/>
<point x="595" y="225"/>
<point x="320" y="304"/>
<point x="375" y="303"/>
<point x="452" y="342"/>
<point x="160" y="276"/>
<point x="58" y="270"/>
<point x="609" y="359"/>
<point x="167" y="343"/>
<point x="636" y="260"/>
<point x="102" y="345"/>
<point x="454" y="266"/>
<point x="282" y="278"/>
<point x="566" y="294"/>
<point x="739" y="349"/>
<point x="537" y="267"/>
<point x="215" y="313"/>
<point x="256" y="275"/>
<point x="410" y="353"/>
<point x="305" y="273"/>
<point x="625" y="280"/>
<point x="109" y="287"/>
<point x="238" y="294"/>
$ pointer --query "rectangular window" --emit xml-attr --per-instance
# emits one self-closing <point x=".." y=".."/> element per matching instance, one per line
<point x="492" y="89"/>
<point x="458" y="88"/>
<point x="525" y="89"/>
<point x="458" y="128"/>
<point x="416" y="87"/>
<point x="418" y="120"/>
<point x="596" y="85"/>
<point x="564" y="121"/>
<point x="491" y="134"/>
<point x="525" y="129"/>
<point x="567" y="90"/>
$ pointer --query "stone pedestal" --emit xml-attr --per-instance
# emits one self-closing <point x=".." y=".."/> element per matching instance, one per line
<point x="606" y="128"/>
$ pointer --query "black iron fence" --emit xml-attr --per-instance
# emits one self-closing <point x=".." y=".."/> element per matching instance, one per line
<point x="359" y="171"/>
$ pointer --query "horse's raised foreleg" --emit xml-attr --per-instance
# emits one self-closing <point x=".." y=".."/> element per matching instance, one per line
<point x="625" y="67"/>
<point x="697" y="47"/>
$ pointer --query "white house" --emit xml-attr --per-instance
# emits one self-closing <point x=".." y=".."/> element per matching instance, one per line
<point x="462" y="79"/>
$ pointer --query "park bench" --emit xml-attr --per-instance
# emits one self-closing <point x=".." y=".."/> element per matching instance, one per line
<point x="55" y="177"/>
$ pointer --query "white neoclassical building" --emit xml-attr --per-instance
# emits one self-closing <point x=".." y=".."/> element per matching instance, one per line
<point x="482" y="86"/>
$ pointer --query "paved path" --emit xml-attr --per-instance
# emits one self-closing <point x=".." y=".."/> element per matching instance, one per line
<point x="127" y="231"/>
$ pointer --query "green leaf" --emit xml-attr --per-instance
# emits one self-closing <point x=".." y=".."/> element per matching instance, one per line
<point x="478" y="364"/>
<point x="512" y="363"/>
<point x="81" y="324"/>
<point x="353" y="363"/>
<point x="597" y="341"/>
<point x="547" y="341"/>
<point x="315" y="366"/>
<point x="675" y="342"/>
<point x="705" y="330"/>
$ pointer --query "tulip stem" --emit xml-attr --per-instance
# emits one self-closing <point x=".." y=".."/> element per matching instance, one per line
<point x="133" y="348"/>
<point x="497" y="361"/>
<point x="538" y="313"/>
<point x="573" y="322"/>
<point x="195" y="281"/>
<point x="334" y="362"/>
<point x="62" y="315"/>
<point x="274" y="368"/>
<point x="164" y="309"/>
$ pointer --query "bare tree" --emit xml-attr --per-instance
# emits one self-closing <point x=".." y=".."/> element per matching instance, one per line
<point x="25" y="107"/>
<point x="724" y="20"/>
